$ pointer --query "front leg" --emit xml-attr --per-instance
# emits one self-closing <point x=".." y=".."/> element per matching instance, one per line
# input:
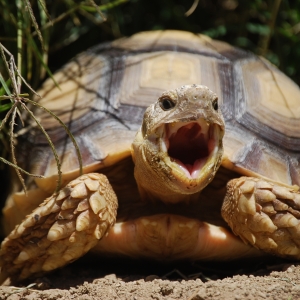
<point x="62" y="229"/>
<point x="265" y="215"/>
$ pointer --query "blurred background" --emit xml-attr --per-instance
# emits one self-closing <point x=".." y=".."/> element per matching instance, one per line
<point x="42" y="35"/>
<point x="270" y="28"/>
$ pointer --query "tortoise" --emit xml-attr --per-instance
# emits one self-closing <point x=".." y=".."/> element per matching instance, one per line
<point x="220" y="138"/>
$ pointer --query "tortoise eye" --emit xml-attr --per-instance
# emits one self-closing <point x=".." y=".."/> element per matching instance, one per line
<point x="166" y="103"/>
<point x="215" y="104"/>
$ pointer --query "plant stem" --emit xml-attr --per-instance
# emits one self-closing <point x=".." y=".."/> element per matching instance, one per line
<point x="266" y="39"/>
<point x="19" y="42"/>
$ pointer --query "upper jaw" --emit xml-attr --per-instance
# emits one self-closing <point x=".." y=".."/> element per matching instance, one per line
<point x="192" y="149"/>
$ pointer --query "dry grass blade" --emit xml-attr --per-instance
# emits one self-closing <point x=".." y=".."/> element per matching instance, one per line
<point x="20" y="290"/>
<point x="2" y="49"/>
<point x="192" y="9"/>
<point x="17" y="99"/>
<point x="12" y="146"/>
<point x="58" y="19"/>
<point x="50" y="144"/>
<point x="8" y="115"/>
<point x="44" y="8"/>
<point x="66" y="129"/>
<point x="21" y="15"/>
<point x="20" y="169"/>
<point x="12" y="69"/>
<point x="34" y="22"/>
<point x="25" y="82"/>
<point x="16" y="85"/>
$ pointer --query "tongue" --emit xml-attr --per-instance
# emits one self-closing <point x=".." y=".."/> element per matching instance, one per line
<point x="188" y="145"/>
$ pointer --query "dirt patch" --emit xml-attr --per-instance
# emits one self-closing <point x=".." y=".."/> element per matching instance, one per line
<point x="90" y="279"/>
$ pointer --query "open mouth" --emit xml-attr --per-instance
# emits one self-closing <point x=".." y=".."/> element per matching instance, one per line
<point x="190" y="145"/>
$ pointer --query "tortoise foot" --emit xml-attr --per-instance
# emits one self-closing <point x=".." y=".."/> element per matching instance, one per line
<point x="265" y="215"/>
<point x="62" y="229"/>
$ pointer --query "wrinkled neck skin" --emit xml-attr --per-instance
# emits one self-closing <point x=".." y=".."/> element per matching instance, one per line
<point x="178" y="149"/>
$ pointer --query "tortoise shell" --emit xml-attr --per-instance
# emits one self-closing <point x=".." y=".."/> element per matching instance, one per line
<point x="104" y="91"/>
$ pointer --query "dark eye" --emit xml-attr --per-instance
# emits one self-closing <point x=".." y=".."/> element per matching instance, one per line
<point x="215" y="104"/>
<point x="166" y="103"/>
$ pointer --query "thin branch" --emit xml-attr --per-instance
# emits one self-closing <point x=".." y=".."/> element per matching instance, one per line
<point x="192" y="9"/>
<point x="266" y="39"/>
<point x="7" y="115"/>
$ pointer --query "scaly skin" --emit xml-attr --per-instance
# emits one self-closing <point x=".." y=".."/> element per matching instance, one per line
<point x="265" y="215"/>
<point x="62" y="229"/>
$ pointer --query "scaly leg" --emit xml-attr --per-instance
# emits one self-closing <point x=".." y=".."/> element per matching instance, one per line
<point x="265" y="215"/>
<point x="62" y="229"/>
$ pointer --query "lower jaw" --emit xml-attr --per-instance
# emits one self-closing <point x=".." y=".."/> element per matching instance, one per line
<point x="170" y="237"/>
<point x="186" y="183"/>
<point x="198" y="172"/>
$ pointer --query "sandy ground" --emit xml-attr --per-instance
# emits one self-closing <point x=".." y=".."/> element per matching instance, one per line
<point x="91" y="278"/>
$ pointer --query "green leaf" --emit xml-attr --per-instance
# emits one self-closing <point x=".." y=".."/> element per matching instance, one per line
<point x="258" y="28"/>
<point x="4" y="107"/>
<point x="216" y="32"/>
<point x="4" y="89"/>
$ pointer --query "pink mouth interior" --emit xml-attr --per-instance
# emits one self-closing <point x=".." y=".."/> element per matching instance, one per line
<point x="189" y="146"/>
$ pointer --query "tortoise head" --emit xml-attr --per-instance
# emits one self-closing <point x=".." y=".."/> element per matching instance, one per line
<point x="179" y="146"/>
